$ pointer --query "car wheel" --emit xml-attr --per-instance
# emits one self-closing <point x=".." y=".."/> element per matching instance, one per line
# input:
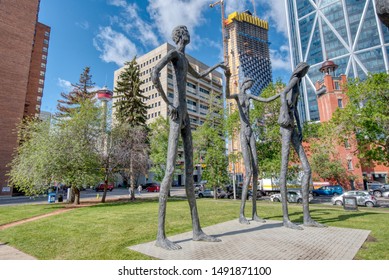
<point x="315" y="194"/>
<point x="369" y="204"/>
<point x="299" y="201"/>
<point x="276" y="200"/>
<point x="336" y="194"/>
<point x="250" y="198"/>
<point x="377" y="193"/>
<point x="201" y="195"/>
<point x="110" y="190"/>
<point x="339" y="202"/>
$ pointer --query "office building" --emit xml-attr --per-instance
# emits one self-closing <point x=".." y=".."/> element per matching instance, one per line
<point x="247" y="51"/>
<point x="197" y="91"/>
<point x="348" y="32"/>
<point x="23" y="43"/>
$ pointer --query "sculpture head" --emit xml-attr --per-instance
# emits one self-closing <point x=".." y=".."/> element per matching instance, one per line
<point x="181" y="33"/>
<point x="301" y="70"/>
<point x="246" y="84"/>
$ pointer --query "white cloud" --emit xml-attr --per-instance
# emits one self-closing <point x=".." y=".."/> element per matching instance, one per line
<point x="114" y="46"/>
<point x="64" y="85"/>
<point x="134" y="25"/>
<point x="239" y="6"/>
<point x="275" y="11"/>
<point x="84" y="25"/>
<point x="167" y="14"/>
<point x="118" y="3"/>
<point x="280" y="59"/>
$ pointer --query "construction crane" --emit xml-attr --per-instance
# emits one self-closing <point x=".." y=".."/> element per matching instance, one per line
<point x="221" y="3"/>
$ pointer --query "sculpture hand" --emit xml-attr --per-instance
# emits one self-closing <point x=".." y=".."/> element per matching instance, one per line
<point x="173" y="112"/>
<point x="224" y="66"/>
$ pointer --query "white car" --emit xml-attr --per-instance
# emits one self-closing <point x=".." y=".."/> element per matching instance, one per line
<point x="363" y="198"/>
<point x="385" y="194"/>
<point x="292" y="196"/>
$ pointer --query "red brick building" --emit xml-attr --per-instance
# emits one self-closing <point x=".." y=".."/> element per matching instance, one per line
<point x="330" y="96"/>
<point x="23" y="48"/>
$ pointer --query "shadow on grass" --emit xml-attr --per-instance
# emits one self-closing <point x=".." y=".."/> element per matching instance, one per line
<point x="319" y="216"/>
<point x="137" y="201"/>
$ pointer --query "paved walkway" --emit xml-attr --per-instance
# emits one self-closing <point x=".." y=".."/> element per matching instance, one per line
<point x="268" y="241"/>
<point x="10" y="253"/>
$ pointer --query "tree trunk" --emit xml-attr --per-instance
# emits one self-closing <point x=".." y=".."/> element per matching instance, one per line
<point x="77" y="196"/>
<point x="105" y="187"/>
<point x="132" y="181"/>
<point x="72" y="195"/>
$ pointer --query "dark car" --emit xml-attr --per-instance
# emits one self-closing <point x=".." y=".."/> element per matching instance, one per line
<point x="230" y="193"/>
<point x="377" y="189"/>
<point x="100" y="187"/>
<point x="145" y="186"/>
<point x="328" y="190"/>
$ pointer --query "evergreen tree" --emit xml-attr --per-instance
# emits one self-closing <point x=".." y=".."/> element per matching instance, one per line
<point x="81" y="92"/>
<point x="129" y="105"/>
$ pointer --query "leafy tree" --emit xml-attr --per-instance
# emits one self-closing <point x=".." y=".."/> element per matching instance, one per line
<point x="64" y="152"/>
<point x="129" y="150"/>
<point x="366" y="116"/>
<point x="129" y="104"/>
<point x="209" y="141"/>
<point x="81" y="91"/>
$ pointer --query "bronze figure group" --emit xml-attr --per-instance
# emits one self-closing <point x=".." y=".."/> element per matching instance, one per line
<point x="180" y="124"/>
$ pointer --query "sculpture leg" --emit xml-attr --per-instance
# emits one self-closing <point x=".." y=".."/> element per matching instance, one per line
<point x="286" y="134"/>
<point x="254" y="162"/>
<point x="198" y="234"/>
<point x="307" y="173"/>
<point x="162" y="241"/>
<point x="247" y="179"/>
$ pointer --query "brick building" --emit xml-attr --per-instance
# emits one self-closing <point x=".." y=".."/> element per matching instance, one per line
<point x="330" y="96"/>
<point x="23" y="46"/>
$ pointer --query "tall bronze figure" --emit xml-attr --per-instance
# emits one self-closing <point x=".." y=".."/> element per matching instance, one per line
<point x="247" y="140"/>
<point x="288" y="118"/>
<point x="179" y="124"/>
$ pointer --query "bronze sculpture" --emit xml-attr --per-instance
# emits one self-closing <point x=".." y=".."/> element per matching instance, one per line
<point x="288" y="118"/>
<point x="179" y="123"/>
<point x="247" y="141"/>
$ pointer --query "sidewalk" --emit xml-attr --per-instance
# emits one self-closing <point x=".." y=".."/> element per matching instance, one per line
<point x="10" y="253"/>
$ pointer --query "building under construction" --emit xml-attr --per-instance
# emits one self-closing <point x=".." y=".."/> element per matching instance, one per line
<point x="247" y="52"/>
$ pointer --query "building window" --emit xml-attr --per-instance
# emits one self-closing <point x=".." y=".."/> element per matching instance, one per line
<point x="47" y="33"/>
<point x="38" y="98"/>
<point x="41" y="81"/>
<point x="44" y="57"/>
<point x="46" y="42"/>
<point x="340" y="103"/>
<point x="43" y="65"/>
<point x="347" y="144"/>
<point x="204" y="91"/>
<point x="336" y="83"/>
<point x="40" y="90"/>
<point x="350" y="164"/>
<point x="44" y="49"/>
<point x="42" y="73"/>
<point x="191" y="85"/>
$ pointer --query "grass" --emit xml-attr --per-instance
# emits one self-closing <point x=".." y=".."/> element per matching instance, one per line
<point x="9" y="214"/>
<point x="105" y="231"/>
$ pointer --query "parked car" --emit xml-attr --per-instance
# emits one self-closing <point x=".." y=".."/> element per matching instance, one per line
<point x="385" y="194"/>
<point x="230" y="193"/>
<point x="145" y="186"/>
<point x="100" y="187"/>
<point x="209" y="193"/>
<point x="377" y="188"/>
<point x="293" y="196"/>
<point x="153" y="187"/>
<point x="363" y="198"/>
<point x="328" y="190"/>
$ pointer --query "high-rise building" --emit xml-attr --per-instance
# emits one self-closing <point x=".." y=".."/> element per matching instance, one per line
<point x="197" y="91"/>
<point x="23" y="54"/>
<point x="247" y="49"/>
<point x="348" y="32"/>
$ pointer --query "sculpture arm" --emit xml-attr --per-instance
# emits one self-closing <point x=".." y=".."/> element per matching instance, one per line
<point x="284" y="118"/>
<point x="205" y="72"/>
<point x="266" y="100"/>
<point x="227" y="73"/>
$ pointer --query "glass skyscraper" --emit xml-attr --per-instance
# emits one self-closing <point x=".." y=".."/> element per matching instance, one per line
<point x="348" y="32"/>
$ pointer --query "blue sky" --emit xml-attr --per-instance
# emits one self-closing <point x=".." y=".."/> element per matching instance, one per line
<point x="103" y="34"/>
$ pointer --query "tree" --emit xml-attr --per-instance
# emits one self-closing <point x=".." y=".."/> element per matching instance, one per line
<point x="209" y="140"/>
<point x="129" y="104"/>
<point x="64" y="152"/>
<point x="366" y="116"/>
<point x="129" y="149"/>
<point x="325" y="160"/>
<point x="81" y="92"/>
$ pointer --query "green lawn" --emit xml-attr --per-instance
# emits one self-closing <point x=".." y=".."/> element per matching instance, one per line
<point x="105" y="231"/>
<point x="10" y="214"/>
